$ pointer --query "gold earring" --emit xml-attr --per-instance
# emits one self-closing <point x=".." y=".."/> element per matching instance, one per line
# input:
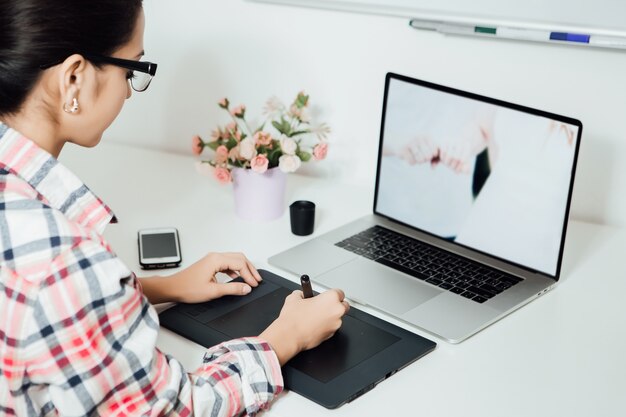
<point x="72" y="109"/>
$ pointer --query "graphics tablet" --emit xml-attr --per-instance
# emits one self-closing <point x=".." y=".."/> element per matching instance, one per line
<point x="364" y="352"/>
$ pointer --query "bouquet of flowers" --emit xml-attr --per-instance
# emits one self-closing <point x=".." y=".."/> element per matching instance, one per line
<point x="285" y="139"/>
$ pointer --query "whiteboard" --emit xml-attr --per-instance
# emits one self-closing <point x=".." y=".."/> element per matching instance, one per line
<point x="602" y="17"/>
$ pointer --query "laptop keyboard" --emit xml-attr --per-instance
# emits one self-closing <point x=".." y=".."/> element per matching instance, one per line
<point x="438" y="267"/>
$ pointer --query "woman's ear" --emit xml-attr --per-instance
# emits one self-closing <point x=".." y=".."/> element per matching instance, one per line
<point x="72" y="78"/>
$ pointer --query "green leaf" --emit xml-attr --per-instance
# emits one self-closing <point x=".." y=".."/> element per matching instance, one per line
<point x="213" y="145"/>
<point x="305" y="156"/>
<point x="273" y="157"/>
<point x="300" y="132"/>
<point x="231" y="143"/>
<point x="283" y="127"/>
<point x="302" y="100"/>
<point x="278" y="126"/>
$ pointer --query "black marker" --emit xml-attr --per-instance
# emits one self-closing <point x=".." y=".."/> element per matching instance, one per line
<point x="305" y="281"/>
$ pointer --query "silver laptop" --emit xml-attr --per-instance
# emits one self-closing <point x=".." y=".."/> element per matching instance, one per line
<point x="470" y="211"/>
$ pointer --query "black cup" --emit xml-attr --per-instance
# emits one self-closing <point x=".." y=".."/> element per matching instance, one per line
<point x="302" y="215"/>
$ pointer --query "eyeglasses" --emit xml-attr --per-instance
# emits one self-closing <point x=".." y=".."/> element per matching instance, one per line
<point x="139" y="73"/>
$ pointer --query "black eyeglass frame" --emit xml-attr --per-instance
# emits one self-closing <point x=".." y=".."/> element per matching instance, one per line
<point x="129" y="64"/>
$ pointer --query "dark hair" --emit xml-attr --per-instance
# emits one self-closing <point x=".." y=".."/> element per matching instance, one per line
<point x="35" y="33"/>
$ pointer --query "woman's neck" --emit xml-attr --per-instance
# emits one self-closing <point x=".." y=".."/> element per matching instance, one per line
<point x="38" y="129"/>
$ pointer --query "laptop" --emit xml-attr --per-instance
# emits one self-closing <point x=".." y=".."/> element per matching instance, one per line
<point x="470" y="211"/>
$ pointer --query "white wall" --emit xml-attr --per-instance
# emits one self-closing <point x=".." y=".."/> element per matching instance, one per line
<point x="207" y="49"/>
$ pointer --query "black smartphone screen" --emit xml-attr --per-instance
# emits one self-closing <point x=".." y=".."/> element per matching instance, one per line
<point x="159" y="245"/>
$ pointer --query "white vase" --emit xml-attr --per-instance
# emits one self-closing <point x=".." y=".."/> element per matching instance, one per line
<point x="259" y="197"/>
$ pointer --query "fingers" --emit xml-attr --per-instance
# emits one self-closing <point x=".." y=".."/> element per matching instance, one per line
<point x="419" y="151"/>
<point x="456" y="157"/>
<point x="340" y="294"/>
<point x="229" y="288"/>
<point x="239" y="264"/>
<point x="341" y="298"/>
<point x="424" y="153"/>
<point x="407" y="156"/>
<point x="569" y="133"/>
<point x="334" y="293"/>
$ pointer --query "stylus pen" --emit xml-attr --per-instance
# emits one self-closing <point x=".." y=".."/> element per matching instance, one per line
<point x="305" y="281"/>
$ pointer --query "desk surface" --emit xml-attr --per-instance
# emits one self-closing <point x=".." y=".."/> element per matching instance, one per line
<point x="563" y="354"/>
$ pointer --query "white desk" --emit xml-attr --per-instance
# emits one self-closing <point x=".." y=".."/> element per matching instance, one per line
<point x="562" y="355"/>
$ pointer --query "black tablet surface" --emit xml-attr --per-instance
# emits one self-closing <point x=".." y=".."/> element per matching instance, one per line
<point x="364" y="352"/>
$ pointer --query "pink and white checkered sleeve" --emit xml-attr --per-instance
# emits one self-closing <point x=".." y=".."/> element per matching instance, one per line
<point x="92" y="346"/>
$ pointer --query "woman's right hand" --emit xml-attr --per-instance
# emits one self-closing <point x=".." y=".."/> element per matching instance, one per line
<point x="304" y="323"/>
<point x="419" y="150"/>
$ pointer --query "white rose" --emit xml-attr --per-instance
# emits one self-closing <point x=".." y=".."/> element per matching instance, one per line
<point x="289" y="163"/>
<point x="288" y="145"/>
<point x="247" y="149"/>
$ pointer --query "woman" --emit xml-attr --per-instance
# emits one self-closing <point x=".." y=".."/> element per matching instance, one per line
<point x="77" y="333"/>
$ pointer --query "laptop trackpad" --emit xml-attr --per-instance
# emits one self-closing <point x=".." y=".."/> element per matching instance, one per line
<point x="378" y="286"/>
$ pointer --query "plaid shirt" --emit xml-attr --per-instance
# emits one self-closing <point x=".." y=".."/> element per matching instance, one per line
<point x="77" y="336"/>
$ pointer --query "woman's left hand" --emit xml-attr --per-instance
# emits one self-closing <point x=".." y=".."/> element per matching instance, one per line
<point x="198" y="282"/>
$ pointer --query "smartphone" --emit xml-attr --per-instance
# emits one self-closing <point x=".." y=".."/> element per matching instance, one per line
<point x="159" y="248"/>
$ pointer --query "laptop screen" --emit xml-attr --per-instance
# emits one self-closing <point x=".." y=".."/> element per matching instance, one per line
<point x="485" y="174"/>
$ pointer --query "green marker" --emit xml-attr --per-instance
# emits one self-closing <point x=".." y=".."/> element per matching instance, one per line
<point x="484" y="29"/>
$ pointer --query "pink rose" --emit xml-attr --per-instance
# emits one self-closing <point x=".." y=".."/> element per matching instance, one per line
<point x="221" y="154"/>
<point x="222" y="175"/>
<point x="197" y="145"/>
<point x="262" y="138"/>
<point x="259" y="163"/>
<point x="239" y="111"/>
<point x="320" y="151"/>
<point x="223" y="103"/>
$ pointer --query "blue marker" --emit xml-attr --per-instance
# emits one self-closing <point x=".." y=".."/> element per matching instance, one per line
<point x="569" y="37"/>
